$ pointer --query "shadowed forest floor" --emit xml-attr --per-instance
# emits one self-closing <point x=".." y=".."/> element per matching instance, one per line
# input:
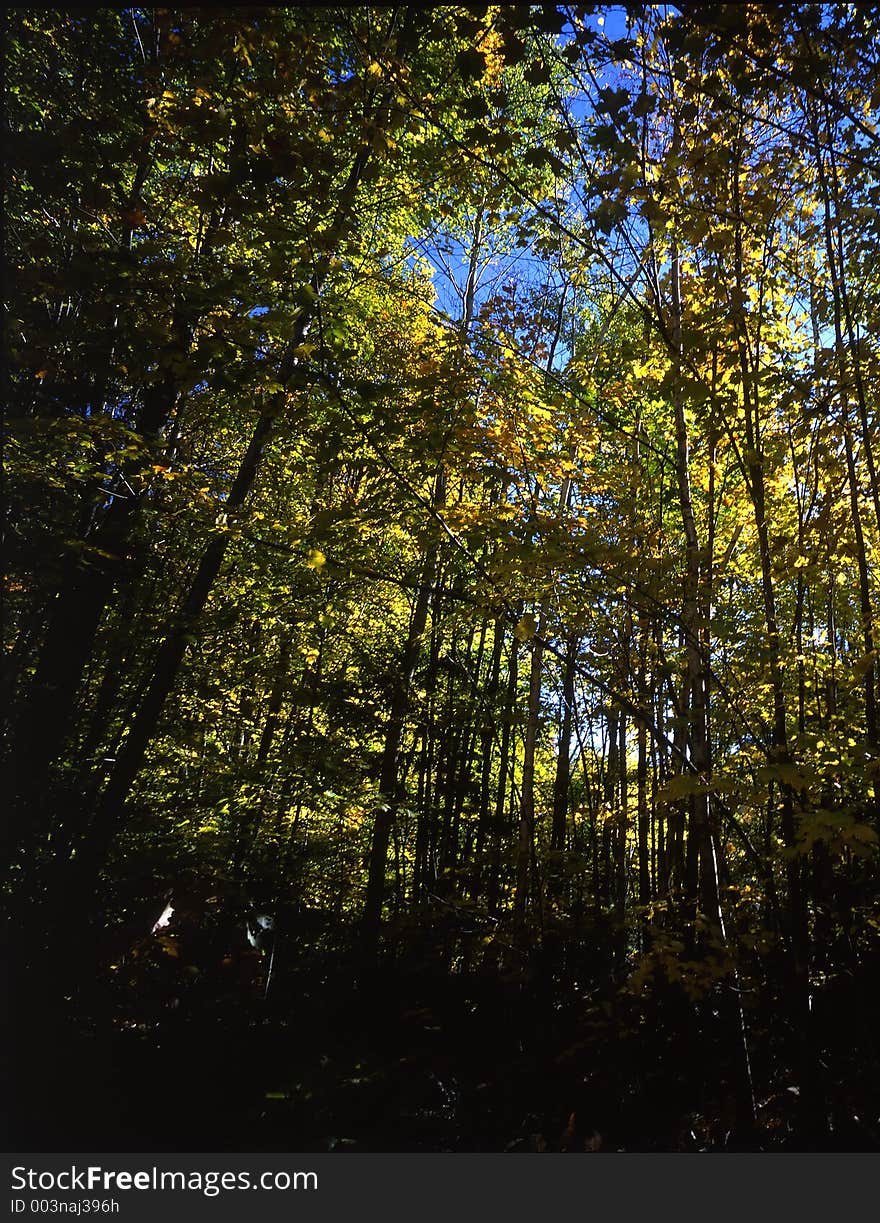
<point x="420" y="1059"/>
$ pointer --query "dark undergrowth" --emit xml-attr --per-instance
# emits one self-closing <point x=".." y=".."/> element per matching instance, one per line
<point x="426" y="1052"/>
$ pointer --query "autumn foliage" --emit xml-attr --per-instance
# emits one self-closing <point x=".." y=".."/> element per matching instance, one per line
<point x="443" y="512"/>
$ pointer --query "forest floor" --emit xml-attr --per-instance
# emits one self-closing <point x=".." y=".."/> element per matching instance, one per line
<point x="414" y="1059"/>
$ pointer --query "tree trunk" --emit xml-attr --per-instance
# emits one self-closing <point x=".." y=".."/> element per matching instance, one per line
<point x="389" y="796"/>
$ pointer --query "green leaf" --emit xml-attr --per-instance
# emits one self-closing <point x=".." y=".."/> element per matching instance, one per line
<point x="537" y="74"/>
<point x="471" y="63"/>
<point x="643" y="105"/>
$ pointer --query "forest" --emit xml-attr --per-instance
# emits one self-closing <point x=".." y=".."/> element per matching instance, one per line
<point x="441" y="573"/>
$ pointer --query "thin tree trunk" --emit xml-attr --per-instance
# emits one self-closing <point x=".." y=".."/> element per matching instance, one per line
<point x="525" y="841"/>
<point x="389" y="796"/>
<point x="562" y="780"/>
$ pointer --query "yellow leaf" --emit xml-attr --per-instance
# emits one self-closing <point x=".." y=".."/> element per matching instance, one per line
<point x="526" y="627"/>
<point x="316" y="559"/>
<point x="863" y="665"/>
<point x="681" y="786"/>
